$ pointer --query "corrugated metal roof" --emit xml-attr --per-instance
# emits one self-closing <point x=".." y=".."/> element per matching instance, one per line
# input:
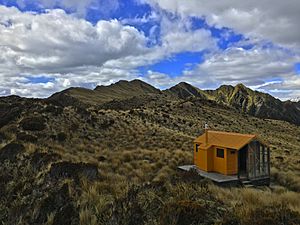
<point x="225" y="139"/>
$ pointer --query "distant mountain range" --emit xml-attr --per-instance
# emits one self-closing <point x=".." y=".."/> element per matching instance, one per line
<point x="239" y="97"/>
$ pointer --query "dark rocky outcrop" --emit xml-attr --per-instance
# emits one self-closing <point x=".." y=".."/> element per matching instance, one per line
<point x="33" y="123"/>
<point x="71" y="170"/>
<point x="41" y="159"/>
<point x="10" y="151"/>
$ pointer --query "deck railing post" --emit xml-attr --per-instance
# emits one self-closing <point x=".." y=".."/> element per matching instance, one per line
<point x="263" y="160"/>
<point x="254" y="161"/>
<point x="269" y="161"/>
<point x="238" y="164"/>
<point x="258" y="158"/>
<point x="247" y="161"/>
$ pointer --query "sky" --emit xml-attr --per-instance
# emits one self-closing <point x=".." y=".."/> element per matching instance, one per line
<point x="49" y="45"/>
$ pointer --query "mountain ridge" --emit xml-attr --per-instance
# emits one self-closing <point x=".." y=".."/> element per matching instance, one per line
<point x="239" y="97"/>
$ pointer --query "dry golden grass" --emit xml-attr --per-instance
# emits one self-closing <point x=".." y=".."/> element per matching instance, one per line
<point x="137" y="158"/>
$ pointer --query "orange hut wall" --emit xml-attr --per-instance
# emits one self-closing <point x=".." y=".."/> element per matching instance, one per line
<point x="207" y="160"/>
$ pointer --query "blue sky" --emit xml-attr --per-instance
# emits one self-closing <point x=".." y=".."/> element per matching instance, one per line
<point x="297" y="68"/>
<point x="93" y="42"/>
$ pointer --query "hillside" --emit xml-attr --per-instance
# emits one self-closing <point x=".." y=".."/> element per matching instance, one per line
<point x="256" y="103"/>
<point x="101" y="94"/>
<point x="243" y="99"/>
<point x="184" y="90"/>
<point x="110" y="156"/>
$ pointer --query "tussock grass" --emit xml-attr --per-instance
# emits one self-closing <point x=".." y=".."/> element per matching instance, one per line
<point x="290" y="180"/>
<point x="137" y="157"/>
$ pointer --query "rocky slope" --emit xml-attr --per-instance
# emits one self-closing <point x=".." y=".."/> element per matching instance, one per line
<point x="244" y="100"/>
<point x="184" y="90"/>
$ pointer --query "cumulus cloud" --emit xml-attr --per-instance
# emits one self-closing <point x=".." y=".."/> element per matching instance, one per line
<point x="70" y="51"/>
<point x="265" y="69"/>
<point x="57" y="41"/>
<point x="77" y="53"/>
<point x="78" y="7"/>
<point x="274" y="20"/>
<point x="284" y="89"/>
<point x="177" y="35"/>
<point x="59" y="45"/>
<point x="248" y="66"/>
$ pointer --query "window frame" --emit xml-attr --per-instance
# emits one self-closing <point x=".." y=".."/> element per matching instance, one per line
<point x="222" y="156"/>
<point x="197" y="147"/>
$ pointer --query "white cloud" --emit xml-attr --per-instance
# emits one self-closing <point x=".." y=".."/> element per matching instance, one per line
<point x="57" y="41"/>
<point x="60" y="45"/>
<point x="262" y="21"/>
<point x="274" y="20"/>
<point x="265" y="69"/>
<point x="73" y="52"/>
<point x="288" y="88"/>
<point x="76" y="53"/>
<point x="177" y="35"/>
<point x="79" y="7"/>
<point x="248" y="66"/>
<point x="260" y="68"/>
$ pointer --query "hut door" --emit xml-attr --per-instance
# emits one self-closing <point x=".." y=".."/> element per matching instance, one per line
<point x="258" y="160"/>
<point x="242" y="167"/>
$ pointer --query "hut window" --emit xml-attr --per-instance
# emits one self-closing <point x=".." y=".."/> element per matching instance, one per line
<point x="232" y="152"/>
<point x="197" y="147"/>
<point x="220" y="152"/>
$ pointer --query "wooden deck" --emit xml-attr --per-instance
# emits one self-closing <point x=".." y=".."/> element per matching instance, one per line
<point x="216" y="177"/>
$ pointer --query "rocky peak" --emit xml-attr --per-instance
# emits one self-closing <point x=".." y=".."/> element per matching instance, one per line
<point x="185" y="90"/>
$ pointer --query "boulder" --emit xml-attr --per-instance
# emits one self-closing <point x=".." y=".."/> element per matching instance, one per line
<point x="10" y="151"/>
<point x="33" y="123"/>
<point x="41" y="159"/>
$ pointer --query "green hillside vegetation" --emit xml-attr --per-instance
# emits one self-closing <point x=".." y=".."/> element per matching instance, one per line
<point x="112" y="158"/>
